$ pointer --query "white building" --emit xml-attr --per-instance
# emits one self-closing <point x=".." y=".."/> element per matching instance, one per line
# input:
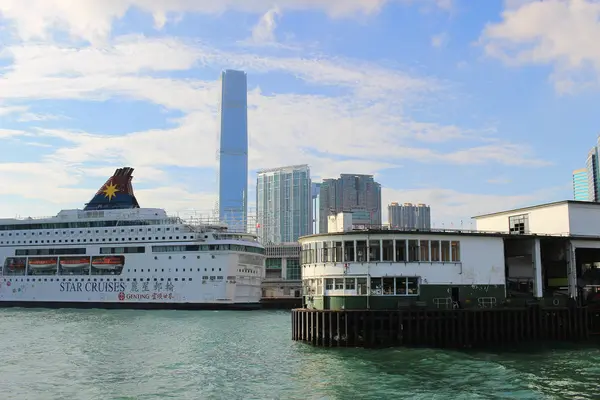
<point x="548" y="253"/>
<point x="568" y="217"/>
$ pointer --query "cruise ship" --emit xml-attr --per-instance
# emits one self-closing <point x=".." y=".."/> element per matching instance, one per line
<point x="115" y="254"/>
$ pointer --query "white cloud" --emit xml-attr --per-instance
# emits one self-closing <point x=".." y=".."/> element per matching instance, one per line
<point x="92" y="20"/>
<point x="499" y="180"/>
<point x="43" y="69"/>
<point x="264" y="30"/>
<point x="6" y="133"/>
<point x="28" y="117"/>
<point x="553" y="32"/>
<point x="12" y="110"/>
<point x="439" y="40"/>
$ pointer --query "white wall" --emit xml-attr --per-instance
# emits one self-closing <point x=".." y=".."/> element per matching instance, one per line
<point x="585" y="219"/>
<point x="482" y="262"/>
<point x="544" y="220"/>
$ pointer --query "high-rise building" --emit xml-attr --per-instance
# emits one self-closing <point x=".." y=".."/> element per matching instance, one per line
<point x="580" y="184"/>
<point x="233" y="150"/>
<point x="409" y="216"/>
<point x="283" y="204"/>
<point x="593" y="174"/>
<point x="315" y="191"/>
<point x="357" y="194"/>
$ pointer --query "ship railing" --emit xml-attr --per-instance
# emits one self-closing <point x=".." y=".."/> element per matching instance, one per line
<point x="443" y="302"/>
<point x="486" y="302"/>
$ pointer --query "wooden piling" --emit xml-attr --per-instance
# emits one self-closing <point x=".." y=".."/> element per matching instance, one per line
<point x="444" y="328"/>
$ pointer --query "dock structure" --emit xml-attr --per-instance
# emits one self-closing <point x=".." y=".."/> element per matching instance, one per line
<point x="526" y="275"/>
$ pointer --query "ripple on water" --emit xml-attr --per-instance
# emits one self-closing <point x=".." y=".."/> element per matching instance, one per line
<point x="121" y="354"/>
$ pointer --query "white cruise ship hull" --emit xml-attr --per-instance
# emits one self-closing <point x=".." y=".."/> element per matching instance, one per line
<point x="194" y="280"/>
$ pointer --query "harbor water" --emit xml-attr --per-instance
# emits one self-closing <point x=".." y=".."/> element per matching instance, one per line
<point x="123" y="354"/>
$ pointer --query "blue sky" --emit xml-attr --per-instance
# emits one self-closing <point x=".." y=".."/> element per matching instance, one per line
<point x="469" y="106"/>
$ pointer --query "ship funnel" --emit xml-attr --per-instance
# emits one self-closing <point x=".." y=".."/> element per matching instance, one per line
<point x="116" y="193"/>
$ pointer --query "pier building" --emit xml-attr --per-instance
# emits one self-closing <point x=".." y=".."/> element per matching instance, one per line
<point x="541" y="259"/>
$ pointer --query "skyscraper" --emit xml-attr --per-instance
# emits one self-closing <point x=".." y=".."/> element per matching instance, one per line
<point x="315" y="192"/>
<point x="358" y="194"/>
<point x="580" y="185"/>
<point x="283" y="204"/>
<point x="409" y="216"/>
<point x="233" y="150"/>
<point x="593" y="174"/>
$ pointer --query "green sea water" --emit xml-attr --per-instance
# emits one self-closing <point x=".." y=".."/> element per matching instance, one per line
<point x="96" y="354"/>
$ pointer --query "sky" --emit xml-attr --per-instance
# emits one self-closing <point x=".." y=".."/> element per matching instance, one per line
<point x="468" y="106"/>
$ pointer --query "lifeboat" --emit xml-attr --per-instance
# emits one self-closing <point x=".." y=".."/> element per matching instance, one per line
<point x="42" y="263"/>
<point x="75" y="262"/>
<point x="16" y="265"/>
<point x="107" y="262"/>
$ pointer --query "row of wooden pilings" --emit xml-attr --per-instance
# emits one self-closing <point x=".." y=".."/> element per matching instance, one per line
<point x="444" y="328"/>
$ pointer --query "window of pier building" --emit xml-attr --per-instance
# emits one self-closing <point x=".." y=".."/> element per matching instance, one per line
<point x="337" y="252"/>
<point x="387" y="250"/>
<point x="401" y="251"/>
<point x="518" y="224"/>
<point x="348" y="250"/>
<point x="424" y="250"/>
<point x="395" y="286"/>
<point x="382" y="250"/>
<point x="374" y="250"/>
<point x="359" y="286"/>
<point x="361" y="250"/>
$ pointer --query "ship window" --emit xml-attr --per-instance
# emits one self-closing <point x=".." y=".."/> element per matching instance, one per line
<point x="175" y="278"/>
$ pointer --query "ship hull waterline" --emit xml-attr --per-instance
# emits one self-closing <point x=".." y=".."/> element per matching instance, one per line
<point x="107" y="305"/>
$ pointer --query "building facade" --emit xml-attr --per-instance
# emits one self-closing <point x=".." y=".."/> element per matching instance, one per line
<point x="580" y="185"/>
<point x="409" y="216"/>
<point x="316" y="191"/>
<point x="233" y="150"/>
<point x="283" y="204"/>
<point x="357" y="194"/>
<point x="547" y="254"/>
<point x="283" y="273"/>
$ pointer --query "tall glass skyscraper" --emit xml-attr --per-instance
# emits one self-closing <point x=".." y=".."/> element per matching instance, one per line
<point x="233" y="150"/>
<point x="580" y="184"/>
<point x="283" y="204"/>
